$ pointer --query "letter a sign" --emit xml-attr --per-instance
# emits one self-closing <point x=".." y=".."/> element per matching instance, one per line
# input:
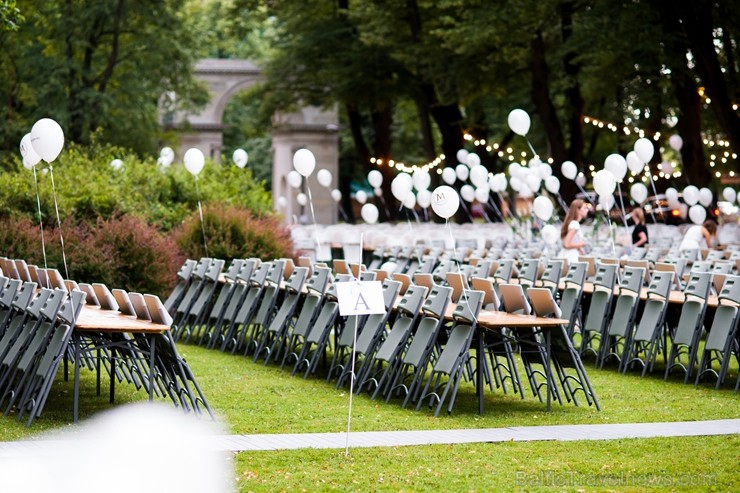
<point x="360" y="298"/>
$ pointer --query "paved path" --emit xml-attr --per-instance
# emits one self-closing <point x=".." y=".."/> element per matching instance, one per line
<point x="237" y="443"/>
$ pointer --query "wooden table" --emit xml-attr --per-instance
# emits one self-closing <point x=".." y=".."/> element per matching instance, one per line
<point x="92" y="321"/>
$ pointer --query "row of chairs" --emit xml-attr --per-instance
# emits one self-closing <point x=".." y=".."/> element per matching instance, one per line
<point x="122" y="355"/>
<point x="35" y="329"/>
<point x="274" y="311"/>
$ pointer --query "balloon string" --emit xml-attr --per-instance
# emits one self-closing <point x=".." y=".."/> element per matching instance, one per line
<point x="621" y="202"/>
<point x="585" y="194"/>
<point x="534" y="153"/>
<point x="313" y="216"/>
<point x="41" y="224"/>
<point x="492" y="203"/>
<point x="562" y="203"/>
<point x="464" y="294"/>
<point x="387" y="212"/>
<point x="59" y="221"/>
<point x="200" y="212"/>
<point x="655" y="193"/>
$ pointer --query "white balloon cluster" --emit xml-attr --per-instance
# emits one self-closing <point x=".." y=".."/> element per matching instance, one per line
<point x="44" y="142"/>
<point x="166" y="156"/>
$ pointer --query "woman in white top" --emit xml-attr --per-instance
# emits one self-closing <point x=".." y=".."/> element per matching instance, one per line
<point x="570" y="233"/>
<point x="696" y="234"/>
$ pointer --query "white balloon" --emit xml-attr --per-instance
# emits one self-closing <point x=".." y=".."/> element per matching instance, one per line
<point x="410" y="200"/>
<point x="498" y="182"/>
<point x="301" y="198"/>
<point x="515" y="183"/>
<point x="282" y="202"/>
<point x="581" y="180"/>
<point x="424" y="198"/>
<point x="644" y="149"/>
<point x="369" y="213"/>
<point x="421" y="179"/>
<point x="361" y="196"/>
<point x="481" y="194"/>
<point x="375" y="178"/>
<point x="697" y="214"/>
<point x="304" y="162"/>
<point x="515" y="170"/>
<point x="294" y="179"/>
<point x="323" y="176"/>
<point x="671" y="194"/>
<point x="194" y="160"/>
<point x="525" y="191"/>
<point x="552" y="184"/>
<point x="543" y="207"/>
<point x="462" y="156"/>
<point x="705" y="197"/>
<point x="617" y="165"/>
<point x="638" y="192"/>
<point x="449" y="175"/>
<point x="390" y="267"/>
<point x="519" y="122"/>
<point x="606" y="202"/>
<point x="691" y="195"/>
<point x="116" y="164"/>
<point x="604" y="182"/>
<point x="336" y="195"/>
<point x="167" y="153"/>
<point x="533" y="181"/>
<point x="445" y="201"/>
<point x="569" y="170"/>
<point x="467" y="193"/>
<point x="29" y="155"/>
<point x="729" y="194"/>
<point x="676" y="142"/>
<point x="378" y="191"/>
<point x="544" y="170"/>
<point x="472" y="160"/>
<point x="550" y="234"/>
<point x="27" y="165"/>
<point x="479" y="176"/>
<point x="462" y="171"/>
<point x="47" y="139"/>
<point x="240" y="157"/>
<point x="401" y="186"/>
<point x="666" y="167"/>
<point x="534" y="163"/>
<point x="634" y="163"/>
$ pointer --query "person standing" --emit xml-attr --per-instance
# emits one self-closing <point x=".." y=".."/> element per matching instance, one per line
<point x="696" y="234"/>
<point x="570" y="233"/>
<point x="640" y="232"/>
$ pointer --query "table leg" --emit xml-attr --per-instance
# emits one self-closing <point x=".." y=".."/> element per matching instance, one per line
<point x="112" y="390"/>
<point x="97" y="372"/>
<point x="550" y="381"/>
<point x="77" y="377"/>
<point x="151" y="368"/>
<point x="479" y="370"/>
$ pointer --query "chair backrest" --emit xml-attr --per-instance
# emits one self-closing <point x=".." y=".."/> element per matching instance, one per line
<point x="391" y="289"/>
<point x="718" y="281"/>
<point x="442" y="269"/>
<point x="576" y="274"/>
<point x="157" y="311"/>
<point x="552" y="273"/>
<point x="722" y="267"/>
<point x="275" y="274"/>
<point x="105" y="297"/>
<point x="380" y="275"/>
<point x="697" y="287"/>
<point x="319" y="280"/>
<point x="701" y="266"/>
<point x="233" y="270"/>
<point x="638" y="253"/>
<point x="424" y="279"/>
<point x="660" y="285"/>
<point x="366" y="276"/>
<point x="468" y="307"/>
<point x="247" y="269"/>
<point x="458" y="282"/>
<point x="543" y="303"/>
<point x="90" y="297"/>
<point x="514" y="300"/>
<point x="528" y="270"/>
<point x="482" y="268"/>
<point x="730" y="291"/>
<point x="404" y="279"/>
<point x="714" y="255"/>
<point x="22" y="269"/>
<point x="411" y="302"/>
<point x="71" y="308"/>
<point x="288" y="266"/>
<point x="304" y="261"/>
<point x="436" y="302"/>
<point x="137" y="301"/>
<point x="341" y="266"/>
<point x="124" y="302"/>
<point x="606" y="276"/>
<point x="357" y="268"/>
<point x="186" y="270"/>
<point x="297" y="278"/>
<point x="55" y="279"/>
<point x="504" y="270"/>
<point x="644" y="265"/>
<point x="9" y="291"/>
<point x="260" y="274"/>
<point x="485" y="285"/>
<point x="632" y="279"/>
<point x="200" y="269"/>
<point x="590" y="262"/>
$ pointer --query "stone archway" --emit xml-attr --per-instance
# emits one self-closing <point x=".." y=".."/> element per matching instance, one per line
<point x="309" y="127"/>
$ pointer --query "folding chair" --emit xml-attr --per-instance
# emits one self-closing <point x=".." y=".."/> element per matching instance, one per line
<point x="618" y="336"/>
<point x="239" y="287"/>
<point x="244" y="308"/>
<point x="551" y="275"/>
<point x="386" y="359"/>
<point x="314" y="344"/>
<point x="459" y="284"/>
<point x="572" y="295"/>
<point x="528" y="272"/>
<point x="183" y="280"/>
<point x="191" y="294"/>
<point x="448" y="370"/>
<point x="226" y="290"/>
<point x="482" y="269"/>
<point x="266" y="310"/>
<point x="649" y="337"/>
<point x="196" y="315"/>
<point x="372" y="334"/>
<point x="425" y="280"/>
<point x="599" y="311"/>
<point x="514" y="300"/>
<point x="18" y="313"/>
<point x="274" y="336"/>
<point x="563" y="352"/>
<point x="404" y="279"/>
<point x="440" y="272"/>
<point x="685" y="340"/>
<point x="721" y="341"/>
<point x="490" y="299"/>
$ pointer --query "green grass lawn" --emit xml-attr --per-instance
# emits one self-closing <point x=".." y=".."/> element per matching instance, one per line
<point x="251" y="398"/>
